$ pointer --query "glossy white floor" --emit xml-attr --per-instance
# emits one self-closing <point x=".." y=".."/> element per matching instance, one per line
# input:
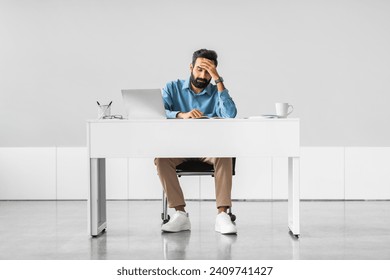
<point x="329" y="230"/>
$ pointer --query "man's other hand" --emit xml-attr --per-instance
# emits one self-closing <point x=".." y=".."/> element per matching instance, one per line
<point x="195" y="113"/>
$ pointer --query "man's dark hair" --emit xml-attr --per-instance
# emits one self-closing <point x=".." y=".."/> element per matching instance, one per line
<point x="209" y="54"/>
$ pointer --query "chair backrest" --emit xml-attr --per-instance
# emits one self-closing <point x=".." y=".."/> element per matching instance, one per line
<point x="199" y="168"/>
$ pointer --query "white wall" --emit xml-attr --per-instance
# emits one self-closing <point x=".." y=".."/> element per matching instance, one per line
<point x="330" y="59"/>
<point x="326" y="173"/>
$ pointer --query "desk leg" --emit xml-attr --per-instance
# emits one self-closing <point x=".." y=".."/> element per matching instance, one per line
<point x="97" y="196"/>
<point x="293" y="195"/>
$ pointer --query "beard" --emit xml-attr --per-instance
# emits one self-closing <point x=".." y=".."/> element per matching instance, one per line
<point x="199" y="82"/>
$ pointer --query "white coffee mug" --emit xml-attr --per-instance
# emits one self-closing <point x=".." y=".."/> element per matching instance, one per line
<point x="282" y="109"/>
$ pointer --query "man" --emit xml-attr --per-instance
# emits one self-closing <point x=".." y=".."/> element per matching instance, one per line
<point x="194" y="98"/>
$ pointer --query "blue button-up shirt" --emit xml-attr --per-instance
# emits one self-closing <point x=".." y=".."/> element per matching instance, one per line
<point x="178" y="97"/>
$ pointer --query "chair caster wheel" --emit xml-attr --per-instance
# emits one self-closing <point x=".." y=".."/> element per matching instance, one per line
<point x="162" y="217"/>
<point x="232" y="217"/>
<point x="166" y="220"/>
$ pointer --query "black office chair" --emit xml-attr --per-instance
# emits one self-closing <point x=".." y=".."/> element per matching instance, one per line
<point x="194" y="168"/>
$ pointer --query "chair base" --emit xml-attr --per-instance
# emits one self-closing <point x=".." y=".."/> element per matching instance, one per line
<point x="165" y="217"/>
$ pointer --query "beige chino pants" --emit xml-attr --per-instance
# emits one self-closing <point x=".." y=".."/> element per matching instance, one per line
<point x="166" y="169"/>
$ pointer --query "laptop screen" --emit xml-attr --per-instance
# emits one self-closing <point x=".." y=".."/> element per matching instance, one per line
<point x="143" y="103"/>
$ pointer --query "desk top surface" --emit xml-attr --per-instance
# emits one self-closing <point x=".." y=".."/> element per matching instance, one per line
<point x="196" y="120"/>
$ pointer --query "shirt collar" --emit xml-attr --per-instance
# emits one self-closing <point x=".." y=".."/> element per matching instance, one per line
<point x="186" y="85"/>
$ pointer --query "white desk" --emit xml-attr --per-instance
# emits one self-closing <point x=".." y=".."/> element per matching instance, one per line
<point x="196" y="138"/>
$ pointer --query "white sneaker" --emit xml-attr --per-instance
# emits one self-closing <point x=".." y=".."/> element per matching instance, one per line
<point x="178" y="222"/>
<point x="224" y="224"/>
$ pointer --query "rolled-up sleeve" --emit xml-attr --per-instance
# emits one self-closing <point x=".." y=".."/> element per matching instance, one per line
<point x="168" y="102"/>
<point x="226" y="106"/>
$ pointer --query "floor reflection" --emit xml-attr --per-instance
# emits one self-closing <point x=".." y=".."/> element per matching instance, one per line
<point x="175" y="244"/>
<point x="224" y="246"/>
<point x="294" y="241"/>
<point x="98" y="246"/>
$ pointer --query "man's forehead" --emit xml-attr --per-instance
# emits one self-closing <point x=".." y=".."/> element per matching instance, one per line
<point x="200" y="59"/>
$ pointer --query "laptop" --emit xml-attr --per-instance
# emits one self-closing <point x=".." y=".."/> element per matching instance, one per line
<point x="143" y="103"/>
